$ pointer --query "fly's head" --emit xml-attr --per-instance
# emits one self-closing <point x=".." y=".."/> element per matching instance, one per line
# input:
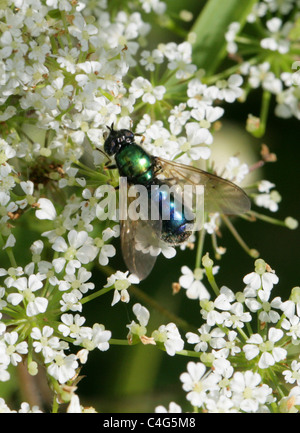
<point x="117" y="139"/>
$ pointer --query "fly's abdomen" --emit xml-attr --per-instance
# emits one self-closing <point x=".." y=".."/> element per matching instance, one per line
<point x="136" y="164"/>
<point x="177" y="219"/>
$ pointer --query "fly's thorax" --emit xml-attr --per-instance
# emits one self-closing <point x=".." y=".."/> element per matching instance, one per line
<point x="135" y="163"/>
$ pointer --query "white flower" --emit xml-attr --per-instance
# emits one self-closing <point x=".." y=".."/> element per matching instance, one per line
<point x="71" y="301"/>
<point x="70" y="178"/>
<point x="206" y="116"/>
<point x="95" y="337"/>
<point x="10" y="350"/>
<point x="223" y="367"/>
<point x="25" y="408"/>
<point x="200" y="95"/>
<point x="74" y="405"/>
<point x="197" y="383"/>
<point x="106" y="251"/>
<point x="278" y="39"/>
<point x="149" y="59"/>
<point x="92" y="69"/>
<point x="4" y="374"/>
<point x="170" y="337"/>
<point x="230" y="90"/>
<point x="79" y="250"/>
<point x="292" y="326"/>
<point x="207" y="337"/>
<point x="3" y="407"/>
<point x="67" y="58"/>
<point x="292" y="401"/>
<point x="26" y="288"/>
<point x="230" y="35"/>
<point x="234" y="314"/>
<point x="143" y="315"/>
<point x="261" y="280"/>
<point x="196" y="143"/>
<point x="235" y="171"/>
<point x="178" y="118"/>
<point x="71" y="325"/>
<point x="265" y="186"/>
<point x="269" y="201"/>
<point x="213" y="223"/>
<point x="157" y="6"/>
<point x="219" y="404"/>
<point x="210" y="314"/>
<point x="237" y="316"/>
<point x="192" y="282"/>
<point x="58" y="95"/>
<point x="45" y="342"/>
<point x="293" y="375"/>
<point x="121" y="281"/>
<point x="100" y="337"/>
<point x="157" y="137"/>
<point x="227" y="346"/>
<point x="173" y="408"/>
<point x="292" y="306"/>
<point x="247" y="392"/>
<point x="141" y="87"/>
<point x="258" y="10"/>
<point x="267" y="314"/>
<point x="260" y="75"/>
<point x="85" y="33"/>
<point x="63" y="367"/>
<point x="268" y="351"/>
<point x="180" y="60"/>
<point x="78" y="282"/>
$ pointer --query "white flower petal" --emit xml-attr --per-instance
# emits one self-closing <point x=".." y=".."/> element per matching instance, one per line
<point x="46" y="210"/>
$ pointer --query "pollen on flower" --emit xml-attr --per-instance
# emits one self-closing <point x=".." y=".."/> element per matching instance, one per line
<point x="147" y="340"/>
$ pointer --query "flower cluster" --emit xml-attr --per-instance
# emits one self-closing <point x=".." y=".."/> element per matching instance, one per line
<point x="239" y="368"/>
<point x="276" y="35"/>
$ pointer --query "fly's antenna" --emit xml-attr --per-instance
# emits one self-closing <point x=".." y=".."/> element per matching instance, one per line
<point x="111" y="127"/>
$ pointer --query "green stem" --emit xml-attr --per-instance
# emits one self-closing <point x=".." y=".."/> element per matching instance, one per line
<point x="243" y="334"/>
<point x="212" y="281"/>
<point x="10" y="254"/>
<point x="251" y="252"/>
<point x="188" y="353"/>
<point x="96" y="294"/>
<point x="266" y="218"/>
<point x="119" y="342"/>
<point x="200" y="248"/>
<point x="259" y="132"/>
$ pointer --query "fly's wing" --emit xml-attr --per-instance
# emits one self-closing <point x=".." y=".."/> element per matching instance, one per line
<point x="220" y="195"/>
<point x="138" y="237"/>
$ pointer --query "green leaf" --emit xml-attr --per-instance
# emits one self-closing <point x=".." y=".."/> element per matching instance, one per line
<point x="209" y="48"/>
